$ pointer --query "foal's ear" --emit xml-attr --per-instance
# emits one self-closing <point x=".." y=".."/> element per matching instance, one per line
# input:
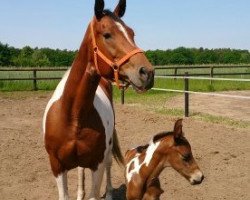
<point x="178" y="128"/>
<point x="120" y="8"/>
<point x="99" y="6"/>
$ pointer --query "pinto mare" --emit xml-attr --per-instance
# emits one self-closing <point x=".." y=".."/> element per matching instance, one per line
<point x="79" y="118"/>
<point x="145" y="163"/>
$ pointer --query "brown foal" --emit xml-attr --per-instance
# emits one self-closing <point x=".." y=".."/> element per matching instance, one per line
<point x="145" y="163"/>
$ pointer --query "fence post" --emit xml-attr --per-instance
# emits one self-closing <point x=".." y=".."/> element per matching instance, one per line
<point x="175" y="72"/>
<point x="211" y="75"/>
<point x="34" y="80"/>
<point x="186" y="94"/>
<point x="122" y="95"/>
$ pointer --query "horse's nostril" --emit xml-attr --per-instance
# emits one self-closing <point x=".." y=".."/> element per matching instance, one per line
<point x="143" y="71"/>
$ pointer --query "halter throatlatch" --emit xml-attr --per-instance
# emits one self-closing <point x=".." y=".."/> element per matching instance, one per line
<point x="114" y="65"/>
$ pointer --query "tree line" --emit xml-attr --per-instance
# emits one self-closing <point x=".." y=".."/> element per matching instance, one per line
<point x="35" y="57"/>
<point x="40" y="57"/>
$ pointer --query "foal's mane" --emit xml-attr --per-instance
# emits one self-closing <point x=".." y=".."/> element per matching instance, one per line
<point x="161" y="135"/>
<point x="140" y="149"/>
<point x="178" y="141"/>
<point x="156" y="138"/>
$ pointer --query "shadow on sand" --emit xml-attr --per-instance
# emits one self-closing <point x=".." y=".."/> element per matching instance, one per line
<point x="119" y="193"/>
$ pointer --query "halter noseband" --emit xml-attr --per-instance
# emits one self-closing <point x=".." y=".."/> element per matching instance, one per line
<point x="115" y="65"/>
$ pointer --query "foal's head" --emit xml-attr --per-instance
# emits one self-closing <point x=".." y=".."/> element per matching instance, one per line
<point x="179" y="154"/>
<point x="116" y="40"/>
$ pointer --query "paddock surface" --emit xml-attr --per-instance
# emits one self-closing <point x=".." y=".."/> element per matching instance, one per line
<point x="223" y="153"/>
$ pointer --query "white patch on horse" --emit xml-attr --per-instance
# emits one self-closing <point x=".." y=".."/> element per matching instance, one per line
<point x="123" y="30"/>
<point x="57" y="95"/>
<point x="148" y="157"/>
<point x="105" y="110"/>
<point x="61" y="181"/>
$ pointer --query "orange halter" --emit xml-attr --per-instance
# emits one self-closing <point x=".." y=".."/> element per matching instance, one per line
<point x="115" y="65"/>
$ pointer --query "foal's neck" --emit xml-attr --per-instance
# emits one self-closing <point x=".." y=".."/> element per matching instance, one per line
<point x="155" y="165"/>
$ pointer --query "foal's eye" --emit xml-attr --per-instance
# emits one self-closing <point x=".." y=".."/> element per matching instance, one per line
<point x="186" y="157"/>
<point x="107" y="35"/>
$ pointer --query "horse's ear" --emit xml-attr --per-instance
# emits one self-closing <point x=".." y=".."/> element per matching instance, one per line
<point x="99" y="6"/>
<point x="120" y="8"/>
<point x="178" y="128"/>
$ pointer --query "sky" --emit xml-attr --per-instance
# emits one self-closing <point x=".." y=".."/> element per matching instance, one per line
<point x="158" y="24"/>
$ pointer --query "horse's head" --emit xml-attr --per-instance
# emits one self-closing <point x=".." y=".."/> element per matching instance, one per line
<point x="180" y="156"/>
<point x="117" y="55"/>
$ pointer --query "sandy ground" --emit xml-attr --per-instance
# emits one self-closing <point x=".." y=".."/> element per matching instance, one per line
<point x="222" y="152"/>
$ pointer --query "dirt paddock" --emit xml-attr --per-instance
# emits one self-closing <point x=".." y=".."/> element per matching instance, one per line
<point x="222" y="152"/>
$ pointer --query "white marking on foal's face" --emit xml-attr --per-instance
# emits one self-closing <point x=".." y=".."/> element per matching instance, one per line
<point x="148" y="157"/>
<point x="123" y="30"/>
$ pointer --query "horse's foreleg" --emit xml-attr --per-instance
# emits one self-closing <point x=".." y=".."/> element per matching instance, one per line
<point x="109" y="187"/>
<point x="96" y="182"/>
<point x="61" y="177"/>
<point x="80" y="186"/>
<point x="62" y="186"/>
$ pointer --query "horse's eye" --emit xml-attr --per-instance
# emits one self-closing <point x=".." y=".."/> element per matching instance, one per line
<point x="107" y="35"/>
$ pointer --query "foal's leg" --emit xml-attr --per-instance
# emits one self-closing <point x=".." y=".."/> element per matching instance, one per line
<point x="96" y="182"/>
<point x="80" y="186"/>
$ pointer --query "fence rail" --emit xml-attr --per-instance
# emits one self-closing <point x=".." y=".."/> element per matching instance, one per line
<point x="34" y="77"/>
<point x="185" y="76"/>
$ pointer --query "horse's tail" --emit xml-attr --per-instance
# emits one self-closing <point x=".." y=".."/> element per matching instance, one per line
<point x="116" y="150"/>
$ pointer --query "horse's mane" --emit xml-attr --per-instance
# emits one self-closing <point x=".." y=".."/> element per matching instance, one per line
<point x="110" y="14"/>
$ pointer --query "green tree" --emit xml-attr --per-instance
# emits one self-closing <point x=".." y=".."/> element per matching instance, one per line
<point x="24" y="59"/>
<point x="5" y="55"/>
<point x="39" y="59"/>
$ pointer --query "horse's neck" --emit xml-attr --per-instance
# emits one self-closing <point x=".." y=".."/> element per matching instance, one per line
<point x="82" y="82"/>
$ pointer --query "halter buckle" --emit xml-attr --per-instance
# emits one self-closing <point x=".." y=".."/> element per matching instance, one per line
<point x="115" y="67"/>
<point x="95" y="49"/>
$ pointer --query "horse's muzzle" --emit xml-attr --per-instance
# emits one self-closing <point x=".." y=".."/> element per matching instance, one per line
<point x="147" y="77"/>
